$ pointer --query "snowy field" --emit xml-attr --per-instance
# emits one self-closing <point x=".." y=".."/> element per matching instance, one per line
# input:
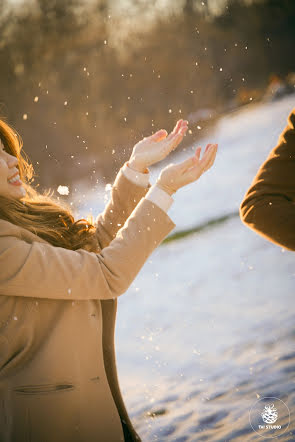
<point x="208" y="326"/>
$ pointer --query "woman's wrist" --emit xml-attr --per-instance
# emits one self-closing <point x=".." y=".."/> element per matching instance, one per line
<point x="137" y="167"/>
<point x="166" y="188"/>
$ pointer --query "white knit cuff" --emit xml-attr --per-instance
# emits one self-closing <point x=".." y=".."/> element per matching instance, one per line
<point x="140" y="178"/>
<point x="159" y="197"/>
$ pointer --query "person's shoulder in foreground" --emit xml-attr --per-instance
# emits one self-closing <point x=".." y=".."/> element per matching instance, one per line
<point x="268" y="206"/>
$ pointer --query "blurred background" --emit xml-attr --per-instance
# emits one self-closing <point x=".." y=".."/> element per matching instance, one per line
<point x="83" y="81"/>
<point x="207" y="328"/>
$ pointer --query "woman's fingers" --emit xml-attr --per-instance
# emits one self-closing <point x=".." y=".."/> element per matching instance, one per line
<point x="198" y="152"/>
<point x="175" y="130"/>
<point x="207" y="147"/>
<point x="204" y="162"/>
<point x="195" y="159"/>
<point x="208" y="160"/>
<point x="175" y="142"/>
<point x="212" y="157"/>
<point x="179" y="129"/>
<point x="171" y="141"/>
<point x="177" y="138"/>
<point x="198" y="167"/>
<point x="159" y="135"/>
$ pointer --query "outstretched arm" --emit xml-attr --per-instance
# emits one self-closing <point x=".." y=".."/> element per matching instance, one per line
<point x="38" y="269"/>
<point x="268" y="206"/>
<point x="126" y="193"/>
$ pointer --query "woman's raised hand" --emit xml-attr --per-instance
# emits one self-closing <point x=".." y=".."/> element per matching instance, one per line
<point x="156" y="147"/>
<point x="174" y="176"/>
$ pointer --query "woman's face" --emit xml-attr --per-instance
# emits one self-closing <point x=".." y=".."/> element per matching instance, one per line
<point x="8" y="169"/>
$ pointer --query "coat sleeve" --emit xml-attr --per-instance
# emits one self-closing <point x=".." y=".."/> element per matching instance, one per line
<point x="41" y="270"/>
<point x="125" y="195"/>
<point x="268" y="206"/>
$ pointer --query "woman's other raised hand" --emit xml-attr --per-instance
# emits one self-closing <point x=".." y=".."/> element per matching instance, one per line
<point x="175" y="176"/>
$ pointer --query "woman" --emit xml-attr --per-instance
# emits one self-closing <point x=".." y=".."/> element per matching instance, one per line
<point x="59" y="284"/>
<point x="268" y="207"/>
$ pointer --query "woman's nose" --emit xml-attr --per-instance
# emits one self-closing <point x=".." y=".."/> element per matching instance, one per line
<point x="12" y="161"/>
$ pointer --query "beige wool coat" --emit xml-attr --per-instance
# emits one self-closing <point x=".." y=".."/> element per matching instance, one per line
<point x="58" y="375"/>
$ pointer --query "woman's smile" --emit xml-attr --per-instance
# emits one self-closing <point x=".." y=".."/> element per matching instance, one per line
<point x="15" y="181"/>
<point x="11" y="184"/>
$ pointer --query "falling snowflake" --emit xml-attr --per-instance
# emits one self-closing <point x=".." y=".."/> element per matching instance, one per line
<point x="63" y="190"/>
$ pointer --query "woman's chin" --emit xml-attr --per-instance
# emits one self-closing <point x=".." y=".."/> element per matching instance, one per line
<point x="23" y="191"/>
<point x="18" y="192"/>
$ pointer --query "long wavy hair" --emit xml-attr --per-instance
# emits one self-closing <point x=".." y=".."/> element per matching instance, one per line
<point x="42" y="213"/>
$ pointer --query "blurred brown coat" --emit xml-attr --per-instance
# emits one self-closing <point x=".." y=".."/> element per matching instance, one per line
<point x="58" y="375"/>
<point x="268" y="206"/>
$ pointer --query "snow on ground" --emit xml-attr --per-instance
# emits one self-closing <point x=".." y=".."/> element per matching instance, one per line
<point x="207" y="327"/>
